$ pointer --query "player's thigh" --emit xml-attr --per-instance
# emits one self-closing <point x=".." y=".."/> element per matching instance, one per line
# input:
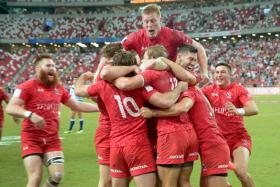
<point x="145" y="180"/>
<point x="214" y="181"/>
<point x="33" y="165"/>
<point x="168" y="172"/>
<point x="241" y="157"/>
<point x="120" y="182"/>
<point x="104" y="171"/>
<point x="186" y="172"/>
<point x="54" y="160"/>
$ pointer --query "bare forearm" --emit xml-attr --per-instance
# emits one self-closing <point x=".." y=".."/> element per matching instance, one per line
<point x="81" y="88"/>
<point x="172" y="111"/>
<point x="110" y="73"/>
<point x="15" y="110"/>
<point x="202" y="58"/>
<point x="85" y="107"/>
<point x="179" y="71"/>
<point x="251" y="109"/>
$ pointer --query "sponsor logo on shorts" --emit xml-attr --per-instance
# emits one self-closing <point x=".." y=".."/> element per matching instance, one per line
<point x="223" y="166"/>
<point x="116" y="171"/>
<point x="138" y="167"/>
<point x="176" y="156"/>
<point x="193" y="154"/>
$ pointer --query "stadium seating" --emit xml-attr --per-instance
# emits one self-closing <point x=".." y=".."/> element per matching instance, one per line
<point x="119" y="25"/>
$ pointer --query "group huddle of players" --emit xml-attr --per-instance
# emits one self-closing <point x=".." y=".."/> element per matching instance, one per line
<point x="154" y="121"/>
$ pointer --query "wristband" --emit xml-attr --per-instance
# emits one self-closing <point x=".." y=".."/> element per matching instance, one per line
<point x="27" y="114"/>
<point x="240" y="111"/>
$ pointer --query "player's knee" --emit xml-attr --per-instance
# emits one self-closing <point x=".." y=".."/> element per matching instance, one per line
<point x="55" y="178"/>
<point x="241" y="174"/>
<point x="105" y="181"/>
<point x="34" y="180"/>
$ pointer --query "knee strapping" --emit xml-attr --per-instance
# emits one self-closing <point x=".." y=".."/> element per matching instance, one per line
<point x="55" y="160"/>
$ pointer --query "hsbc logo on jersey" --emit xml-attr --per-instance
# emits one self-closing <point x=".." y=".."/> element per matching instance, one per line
<point x="222" y="110"/>
<point x="47" y="106"/>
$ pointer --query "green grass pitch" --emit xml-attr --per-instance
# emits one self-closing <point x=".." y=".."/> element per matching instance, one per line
<point x="81" y="168"/>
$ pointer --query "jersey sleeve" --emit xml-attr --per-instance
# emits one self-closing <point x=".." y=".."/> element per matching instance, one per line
<point x="3" y="95"/>
<point x="148" y="91"/>
<point x="206" y="90"/>
<point x="65" y="95"/>
<point x="129" y="41"/>
<point x="182" y="38"/>
<point x="149" y="76"/>
<point x="189" y="93"/>
<point x="23" y="91"/>
<point x="244" y="95"/>
<point x="94" y="89"/>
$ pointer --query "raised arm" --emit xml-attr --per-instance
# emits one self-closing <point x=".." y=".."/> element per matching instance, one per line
<point x="81" y="87"/>
<point x="166" y="100"/>
<point x="202" y="60"/>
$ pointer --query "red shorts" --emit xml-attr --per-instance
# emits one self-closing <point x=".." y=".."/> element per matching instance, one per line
<point x="131" y="161"/>
<point x="31" y="146"/>
<point x="102" y="136"/>
<point x="103" y="155"/>
<point x="152" y="133"/>
<point x="242" y="139"/>
<point x="177" y="147"/>
<point x="214" y="159"/>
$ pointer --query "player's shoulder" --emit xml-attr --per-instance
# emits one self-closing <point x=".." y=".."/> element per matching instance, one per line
<point x="174" y="32"/>
<point x="238" y="86"/>
<point x="209" y="87"/>
<point x="28" y="84"/>
<point x="61" y="87"/>
<point x="137" y="34"/>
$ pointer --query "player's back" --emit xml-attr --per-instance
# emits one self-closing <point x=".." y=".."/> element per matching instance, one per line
<point x="128" y="127"/>
<point x="203" y="119"/>
<point x="163" y="81"/>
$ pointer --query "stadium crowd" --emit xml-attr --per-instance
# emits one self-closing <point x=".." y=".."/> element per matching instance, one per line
<point x="260" y="57"/>
<point x="119" y="25"/>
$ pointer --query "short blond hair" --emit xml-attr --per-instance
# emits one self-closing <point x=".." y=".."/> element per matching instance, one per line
<point x="151" y="8"/>
<point x="156" y="51"/>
